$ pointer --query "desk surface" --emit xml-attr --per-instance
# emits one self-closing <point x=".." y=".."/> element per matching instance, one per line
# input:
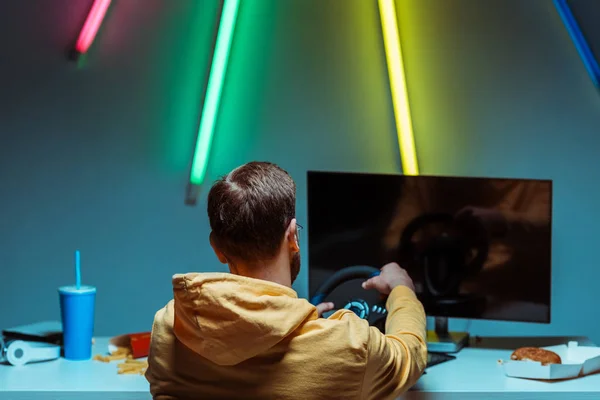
<point x="475" y="371"/>
<point x="95" y="378"/>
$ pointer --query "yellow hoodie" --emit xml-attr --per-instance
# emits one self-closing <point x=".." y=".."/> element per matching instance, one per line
<point x="225" y="336"/>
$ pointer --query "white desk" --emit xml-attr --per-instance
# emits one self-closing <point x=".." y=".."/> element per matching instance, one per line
<point x="62" y="379"/>
<point x="475" y="374"/>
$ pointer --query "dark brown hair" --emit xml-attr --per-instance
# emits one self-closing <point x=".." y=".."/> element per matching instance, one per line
<point x="250" y="209"/>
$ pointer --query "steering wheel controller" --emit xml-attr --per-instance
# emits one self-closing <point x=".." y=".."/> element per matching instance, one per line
<point x="361" y="308"/>
<point x="459" y="250"/>
<point x="372" y="313"/>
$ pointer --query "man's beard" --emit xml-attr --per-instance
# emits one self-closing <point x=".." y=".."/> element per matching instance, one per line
<point x="295" y="266"/>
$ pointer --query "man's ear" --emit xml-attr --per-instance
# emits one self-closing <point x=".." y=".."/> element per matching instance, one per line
<point x="218" y="252"/>
<point x="292" y="236"/>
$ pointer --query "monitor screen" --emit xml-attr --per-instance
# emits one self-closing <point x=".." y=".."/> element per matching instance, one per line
<point x="476" y="248"/>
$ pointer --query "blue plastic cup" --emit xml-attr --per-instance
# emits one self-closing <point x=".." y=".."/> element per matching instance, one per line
<point x="77" y="308"/>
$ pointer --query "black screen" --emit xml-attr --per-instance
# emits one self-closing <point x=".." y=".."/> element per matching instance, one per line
<point x="474" y="247"/>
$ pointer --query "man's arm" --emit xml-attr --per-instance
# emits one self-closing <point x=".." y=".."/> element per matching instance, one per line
<point x="396" y="360"/>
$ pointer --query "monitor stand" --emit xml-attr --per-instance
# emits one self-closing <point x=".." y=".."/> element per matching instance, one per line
<point x="441" y="340"/>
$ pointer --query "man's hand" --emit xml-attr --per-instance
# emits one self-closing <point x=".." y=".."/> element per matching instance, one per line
<point x="391" y="275"/>
<point x="324" y="307"/>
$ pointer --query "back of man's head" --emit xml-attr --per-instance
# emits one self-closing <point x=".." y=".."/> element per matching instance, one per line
<point x="250" y="209"/>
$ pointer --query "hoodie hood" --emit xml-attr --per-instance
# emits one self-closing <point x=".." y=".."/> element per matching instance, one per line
<point x="228" y="318"/>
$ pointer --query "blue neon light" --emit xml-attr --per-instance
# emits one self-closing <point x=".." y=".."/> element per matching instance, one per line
<point x="583" y="47"/>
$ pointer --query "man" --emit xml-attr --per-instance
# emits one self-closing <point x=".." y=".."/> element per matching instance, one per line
<point x="246" y="334"/>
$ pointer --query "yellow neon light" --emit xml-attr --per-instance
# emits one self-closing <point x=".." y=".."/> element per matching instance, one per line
<point x="393" y="50"/>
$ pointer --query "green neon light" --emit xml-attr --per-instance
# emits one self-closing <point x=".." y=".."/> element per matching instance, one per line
<point x="214" y="90"/>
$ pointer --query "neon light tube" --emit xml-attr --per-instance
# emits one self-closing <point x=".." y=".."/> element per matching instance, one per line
<point x="214" y="90"/>
<point x="91" y="26"/>
<point x="393" y="50"/>
<point x="585" y="52"/>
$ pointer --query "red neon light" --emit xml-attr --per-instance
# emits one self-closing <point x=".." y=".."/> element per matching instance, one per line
<point x="91" y="26"/>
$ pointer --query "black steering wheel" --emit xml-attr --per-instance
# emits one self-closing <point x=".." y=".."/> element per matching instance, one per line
<point x="443" y="259"/>
<point x="374" y="313"/>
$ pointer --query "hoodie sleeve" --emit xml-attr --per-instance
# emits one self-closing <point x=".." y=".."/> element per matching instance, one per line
<point x="396" y="360"/>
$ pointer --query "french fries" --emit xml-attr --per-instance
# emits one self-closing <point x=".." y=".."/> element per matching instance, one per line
<point x="127" y="367"/>
<point x="120" y="354"/>
<point x="132" y="367"/>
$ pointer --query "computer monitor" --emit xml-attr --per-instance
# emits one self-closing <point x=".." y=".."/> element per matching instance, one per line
<point x="476" y="248"/>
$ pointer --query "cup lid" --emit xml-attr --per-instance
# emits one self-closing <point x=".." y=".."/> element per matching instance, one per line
<point x="72" y="289"/>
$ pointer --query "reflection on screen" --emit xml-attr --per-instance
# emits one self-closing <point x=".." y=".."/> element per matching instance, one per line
<point x="475" y="247"/>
